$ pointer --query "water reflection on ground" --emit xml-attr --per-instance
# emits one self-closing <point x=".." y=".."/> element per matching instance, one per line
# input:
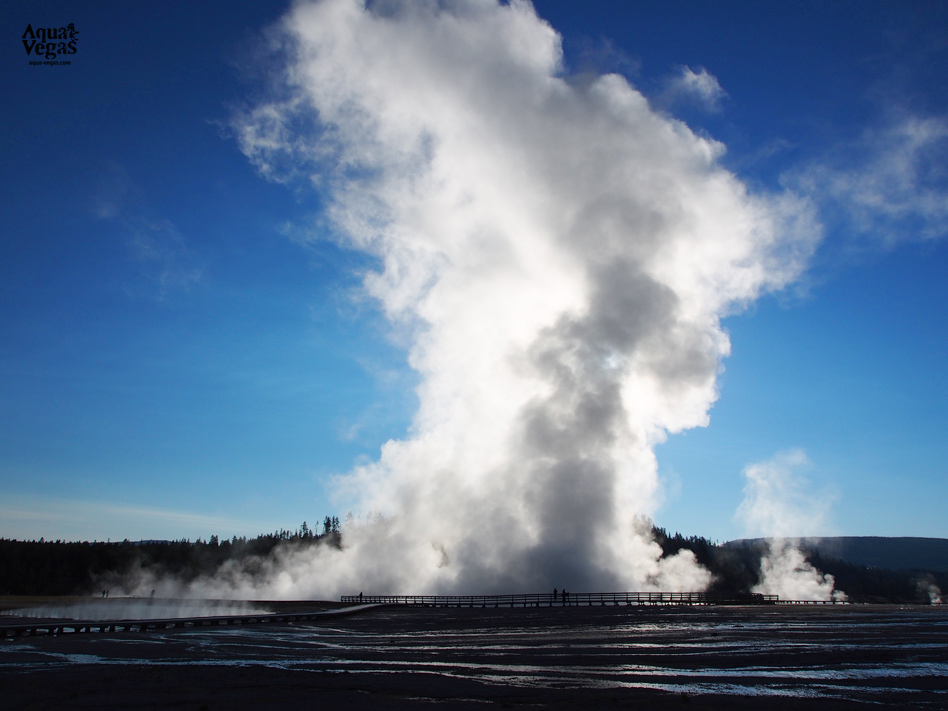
<point x="133" y="609"/>
<point x="896" y="656"/>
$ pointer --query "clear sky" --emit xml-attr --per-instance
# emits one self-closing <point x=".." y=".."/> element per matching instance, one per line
<point x="183" y="353"/>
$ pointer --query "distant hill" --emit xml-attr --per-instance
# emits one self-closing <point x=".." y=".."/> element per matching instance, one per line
<point x="906" y="553"/>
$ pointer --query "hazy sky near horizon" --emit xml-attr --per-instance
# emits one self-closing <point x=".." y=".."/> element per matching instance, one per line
<point x="186" y="349"/>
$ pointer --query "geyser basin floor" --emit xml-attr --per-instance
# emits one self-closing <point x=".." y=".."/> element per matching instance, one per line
<point x="129" y="609"/>
<point x="559" y="658"/>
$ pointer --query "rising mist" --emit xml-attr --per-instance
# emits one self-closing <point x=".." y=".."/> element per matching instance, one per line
<point x="559" y="255"/>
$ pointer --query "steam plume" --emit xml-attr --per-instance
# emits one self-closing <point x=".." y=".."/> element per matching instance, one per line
<point x="561" y="256"/>
<point x="776" y="505"/>
<point x="927" y="585"/>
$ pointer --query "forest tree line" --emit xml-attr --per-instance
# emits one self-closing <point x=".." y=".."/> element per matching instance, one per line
<point x="737" y="570"/>
<point x="77" y="568"/>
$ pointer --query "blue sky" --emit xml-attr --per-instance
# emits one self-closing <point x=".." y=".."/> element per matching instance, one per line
<point x="180" y="357"/>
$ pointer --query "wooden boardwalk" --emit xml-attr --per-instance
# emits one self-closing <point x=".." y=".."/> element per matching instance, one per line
<point x="58" y="627"/>
<point x="564" y="599"/>
<point x="363" y="602"/>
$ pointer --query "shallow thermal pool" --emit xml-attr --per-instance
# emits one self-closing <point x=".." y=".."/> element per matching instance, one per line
<point x="873" y="654"/>
<point x="99" y="609"/>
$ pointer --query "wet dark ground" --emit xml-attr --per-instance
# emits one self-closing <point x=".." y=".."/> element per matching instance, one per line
<point x="835" y="657"/>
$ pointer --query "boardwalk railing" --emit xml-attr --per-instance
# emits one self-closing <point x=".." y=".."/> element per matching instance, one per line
<point x="565" y="599"/>
<point x="54" y="628"/>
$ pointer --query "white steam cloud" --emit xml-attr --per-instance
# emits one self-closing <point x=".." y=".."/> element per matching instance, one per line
<point x="697" y="88"/>
<point x="932" y="591"/>
<point x="561" y="255"/>
<point x="778" y="505"/>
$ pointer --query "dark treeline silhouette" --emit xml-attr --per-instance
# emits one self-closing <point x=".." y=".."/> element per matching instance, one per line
<point x="736" y="569"/>
<point x="889" y="552"/>
<point x="733" y="573"/>
<point x="70" y="568"/>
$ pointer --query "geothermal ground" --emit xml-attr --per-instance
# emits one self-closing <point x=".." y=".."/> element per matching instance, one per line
<point x="410" y="658"/>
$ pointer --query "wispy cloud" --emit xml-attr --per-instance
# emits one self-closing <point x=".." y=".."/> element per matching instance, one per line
<point x="693" y="89"/>
<point x="164" y="255"/>
<point x="32" y="517"/>
<point x="890" y="184"/>
<point x="603" y="56"/>
<point x="113" y="192"/>
<point x="156" y="245"/>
